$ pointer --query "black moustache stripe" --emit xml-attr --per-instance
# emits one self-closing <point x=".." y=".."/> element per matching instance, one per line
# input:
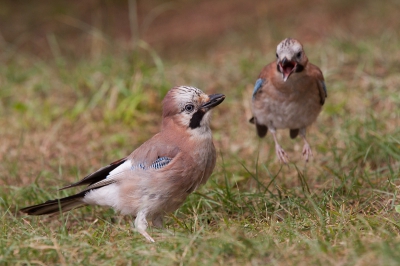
<point x="196" y="119"/>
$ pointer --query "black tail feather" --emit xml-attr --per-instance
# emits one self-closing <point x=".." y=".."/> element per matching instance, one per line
<point x="57" y="205"/>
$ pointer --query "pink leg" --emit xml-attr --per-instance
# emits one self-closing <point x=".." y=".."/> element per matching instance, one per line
<point x="282" y="156"/>
<point x="307" y="153"/>
<point x="141" y="225"/>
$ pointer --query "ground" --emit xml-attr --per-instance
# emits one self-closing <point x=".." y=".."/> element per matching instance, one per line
<point x="81" y="86"/>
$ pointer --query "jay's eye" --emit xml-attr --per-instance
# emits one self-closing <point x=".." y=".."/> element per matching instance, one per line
<point x="277" y="55"/>
<point x="299" y="54"/>
<point x="189" y="108"/>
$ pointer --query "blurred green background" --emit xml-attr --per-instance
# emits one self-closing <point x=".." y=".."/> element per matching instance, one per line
<point x="185" y="27"/>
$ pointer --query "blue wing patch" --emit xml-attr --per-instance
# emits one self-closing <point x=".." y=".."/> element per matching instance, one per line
<point x="139" y="166"/>
<point x="257" y="86"/>
<point x="157" y="164"/>
<point x="160" y="162"/>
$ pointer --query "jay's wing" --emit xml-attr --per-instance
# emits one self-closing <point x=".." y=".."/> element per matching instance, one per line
<point x="97" y="176"/>
<point x="316" y="73"/>
<point x="153" y="154"/>
<point x="149" y="152"/>
<point x="322" y="91"/>
<point x="258" y="86"/>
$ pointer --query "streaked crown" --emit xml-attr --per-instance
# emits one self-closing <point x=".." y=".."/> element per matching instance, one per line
<point x="289" y="48"/>
<point x="183" y="99"/>
<point x="189" y="107"/>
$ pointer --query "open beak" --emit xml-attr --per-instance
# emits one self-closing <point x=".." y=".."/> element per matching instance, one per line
<point x="215" y="99"/>
<point x="287" y="67"/>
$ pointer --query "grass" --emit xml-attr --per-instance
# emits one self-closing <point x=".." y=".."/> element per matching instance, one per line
<point x="61" y="119"/>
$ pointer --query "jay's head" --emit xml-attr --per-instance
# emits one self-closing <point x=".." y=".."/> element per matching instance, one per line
<point x="290" y="57"/>
<point x="189" y="107"/>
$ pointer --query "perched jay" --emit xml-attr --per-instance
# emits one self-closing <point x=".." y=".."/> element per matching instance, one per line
<point x="288" y="94"/>
<point x="156" y="178"/>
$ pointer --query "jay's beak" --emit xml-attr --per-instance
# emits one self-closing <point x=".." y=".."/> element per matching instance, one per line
<point x="215" y="99"/>
<point x="287" y="67"/>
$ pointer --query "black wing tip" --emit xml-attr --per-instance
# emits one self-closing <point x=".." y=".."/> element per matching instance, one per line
<point x="294" y="133"/>
<point x="96" y="176"/>
<point x="261" y="130"/>
<point x="323" y="97"/>
<point x="69" y="186"/>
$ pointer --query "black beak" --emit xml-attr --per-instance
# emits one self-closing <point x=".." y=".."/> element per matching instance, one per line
<point x="215" y="99"/>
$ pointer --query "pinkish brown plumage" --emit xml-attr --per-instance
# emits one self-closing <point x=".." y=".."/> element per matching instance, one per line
<point x="288" y="93"/>
<point x="156" y="178"/>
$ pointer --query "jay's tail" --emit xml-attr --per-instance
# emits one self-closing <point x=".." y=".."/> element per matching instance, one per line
<point x="56" y="206"/>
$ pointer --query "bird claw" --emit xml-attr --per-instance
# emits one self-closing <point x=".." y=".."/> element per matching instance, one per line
<point x="146" y="235"/>
<point x="282" y="156"/>
<point x="307" y="151"/>
<point x="141" y="225"/>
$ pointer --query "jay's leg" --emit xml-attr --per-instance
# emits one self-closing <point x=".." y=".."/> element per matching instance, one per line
<point x="306" y="148"/>
<point x="141" y="225"/>
<point x="282" y="156"/>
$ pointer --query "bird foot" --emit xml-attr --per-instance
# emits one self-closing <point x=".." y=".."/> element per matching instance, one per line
<point x="282" y="156"/>
<point x="307" y="153"/>
<point x="146" y="235"/>
<point x="141" y="225"/>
